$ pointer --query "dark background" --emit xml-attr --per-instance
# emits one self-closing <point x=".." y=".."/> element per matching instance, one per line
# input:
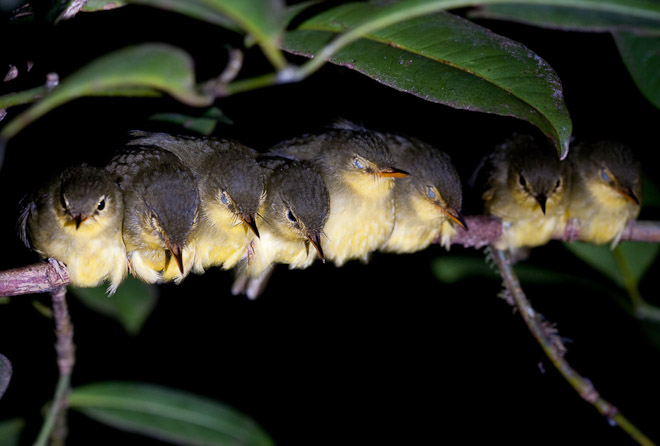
<point x="358" y="354"/>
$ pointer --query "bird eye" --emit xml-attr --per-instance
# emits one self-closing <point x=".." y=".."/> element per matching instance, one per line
<point x="431" y="192"/>
<point x="522" y="181"/>
<point x="604" y="175"/>
<point x="291" y="217"/>
<point x="101" y="205"/>
<point x="557" y="184"/>
<point x="63" y="201"/>
<point x="224" y="198"/>
<point x="358" y="163"/>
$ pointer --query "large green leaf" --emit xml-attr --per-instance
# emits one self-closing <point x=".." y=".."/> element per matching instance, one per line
<point x="621" y="15"/>
<point x="5" y="374"/>
<point x="625" y="266"/>
<point x="130" y="305"/>
<point x="443" y="58"/>
<point x="642" y="58"/>
<point x="137" y="70"/>
<point x="264" y="20"/>
<point x="10" y="431"/>
<point x="167" y="414"/>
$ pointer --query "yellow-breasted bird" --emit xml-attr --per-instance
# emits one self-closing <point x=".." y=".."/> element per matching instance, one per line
<point x="359" y="173"/>
<point x="294" y="214"/>
<point x="428" y="202"/>
<point x="231" y="188"/>
<point x="77" y="219"/>
<point x="606" y="190"/>
<point x="160" y="212"/>
<point x="526" y="187"/>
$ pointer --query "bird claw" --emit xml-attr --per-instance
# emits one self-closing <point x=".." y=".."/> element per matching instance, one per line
<point x="60" y="269"/>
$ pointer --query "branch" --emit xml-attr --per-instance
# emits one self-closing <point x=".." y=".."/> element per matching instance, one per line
<point x="484" y="230"/>
<point x="54" y="426"/>
<point x="547" y="336"/>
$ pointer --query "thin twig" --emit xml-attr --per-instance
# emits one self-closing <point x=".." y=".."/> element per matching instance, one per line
<point x="38" y="278"/>
<point x="65" y="361"/>
<point x="548" y="340"/>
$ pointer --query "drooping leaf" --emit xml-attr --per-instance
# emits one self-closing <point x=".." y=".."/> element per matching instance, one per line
<point x="619" y="15"/>
<point x="263" y="19"/>
<point x="130" y="305"/>
<point x="5" y="374"/>
<point x="145" y="69"/>
<point x="642" y="58"/>
<point x="10" y="431"/>
<point x="102" y="5"/>
<point x="446" y="59"/>
<point x="204" y="124"/>
<point x="167" y="414"/>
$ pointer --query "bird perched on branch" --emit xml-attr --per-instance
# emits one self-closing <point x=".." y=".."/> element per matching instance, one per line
<point x="76" y="218"/>
<point x="294" y="214"/>
<point x="606" y="190"/>
<point x="428" y="202"/>
<point x="359" y="173"/>
<point x="161" y="203"/>
<point x="231" y="188"/>
<point x="526" y="187"/>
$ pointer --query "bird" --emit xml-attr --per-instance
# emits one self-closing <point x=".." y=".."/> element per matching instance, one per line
<point x="76" y="219"/>
<point x="428" y="202"/>
<point x="359" y="173"/>
<point x="293" y="217"/>
<point x="606" y="190"/>
<point x="231" y="189"/>
<point x="526" y="187"/>
<point x="161" y="204"/>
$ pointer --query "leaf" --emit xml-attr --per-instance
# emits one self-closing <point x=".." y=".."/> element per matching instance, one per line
<point x="579" y="15"/>
<point x="263" y="19"/>
<point x="10" y="431"/>
<point x="633" y="260"/>
<point x="167" y="414"/>
<point x="137" y="70"/>
<point x="130" y="305"/>
<point x="102" y="5"/>
<point x="5" y="374"/>
<point x="204" y="125"/>
<point x="446" y="59"/>
<point x="641" y="55"/>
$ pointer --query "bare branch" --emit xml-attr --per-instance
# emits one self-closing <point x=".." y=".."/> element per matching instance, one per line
<point x="38" y="278"/>
<point x="548" y="337"/>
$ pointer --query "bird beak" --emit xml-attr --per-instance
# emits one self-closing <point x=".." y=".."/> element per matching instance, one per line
<point x="542" y="198"/>
<point x="456" y="217"/>
<point x="392" y="172"/>
<point x="629" y="194"/>
<point x="251" y="223"/>
<point x="79" y="219"/>
<point x="177" y="253"/>
<point x="315" y="239"/>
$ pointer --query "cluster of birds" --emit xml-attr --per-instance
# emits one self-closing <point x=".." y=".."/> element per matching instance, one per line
<point x="167" y="205"/>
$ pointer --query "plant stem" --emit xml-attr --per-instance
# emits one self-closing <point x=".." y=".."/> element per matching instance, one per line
<point x="553" y="349"/>
<point x="65" y="361"/>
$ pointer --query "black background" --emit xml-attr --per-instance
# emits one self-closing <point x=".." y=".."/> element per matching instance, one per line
<point x="358" y="354"/>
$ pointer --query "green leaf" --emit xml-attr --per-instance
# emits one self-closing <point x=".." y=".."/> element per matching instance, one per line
<point x="130" y="305"/>
<point x="5" y="374"/>
<point x="588" y="16"/>
<point x="144" y="69"/>
<point x="625" y="266"/>
<point x="641" y="56"/>
<point x="204" y="125"/>
<point x="102" y="5"/>
<point x="167" y="414"/>
<point x="263" y="19"/>
<point x="443" y="58"/>
<point x="10" y="431"/>
<point x="650" y="192"/>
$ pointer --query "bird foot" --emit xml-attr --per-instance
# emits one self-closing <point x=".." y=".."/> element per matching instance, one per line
<point x="60" y="269"/>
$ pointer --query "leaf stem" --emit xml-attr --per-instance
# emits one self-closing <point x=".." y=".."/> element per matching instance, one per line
<point x="549" y="341"/>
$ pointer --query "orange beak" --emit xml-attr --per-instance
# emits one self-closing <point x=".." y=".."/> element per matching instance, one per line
<point x="251" y="223"/>
<point x="315" y="240"/>
<point x="456" y="217"/>
<point x="177" y="253"/>
<point x="392" y="172"/>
